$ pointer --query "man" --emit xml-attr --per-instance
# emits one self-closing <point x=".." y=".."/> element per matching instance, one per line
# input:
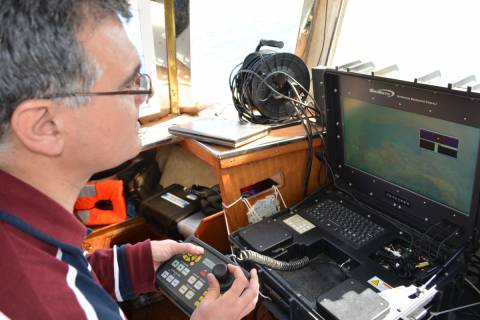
<point x="69" y="96"/>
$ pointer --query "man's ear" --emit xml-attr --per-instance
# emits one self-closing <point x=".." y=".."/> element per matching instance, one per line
<point x="35" y="124"/>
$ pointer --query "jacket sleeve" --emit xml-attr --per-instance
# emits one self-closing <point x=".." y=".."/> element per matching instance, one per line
<point x="124" y="271"/>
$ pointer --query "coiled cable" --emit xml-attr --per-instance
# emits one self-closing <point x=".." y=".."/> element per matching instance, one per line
<point x="271" y="262"/>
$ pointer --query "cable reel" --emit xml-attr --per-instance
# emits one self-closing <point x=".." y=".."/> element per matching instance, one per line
<point x="268" y="86"/>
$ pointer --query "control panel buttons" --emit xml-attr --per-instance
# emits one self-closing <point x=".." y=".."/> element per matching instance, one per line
<point x="191" y="280"/>
<point x="198" y="285"/>
<point x="185" y="271"/>
<point x="183" y="289"/>
<point x="184" y="277"/>
<point x="189" y="295"/>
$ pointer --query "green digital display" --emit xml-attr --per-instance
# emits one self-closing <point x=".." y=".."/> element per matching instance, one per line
<point x="432" y="157"/>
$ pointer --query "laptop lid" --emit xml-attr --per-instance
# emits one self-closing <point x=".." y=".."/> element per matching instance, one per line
<point x="410" y="150"/>
<point x="232" y="133"/>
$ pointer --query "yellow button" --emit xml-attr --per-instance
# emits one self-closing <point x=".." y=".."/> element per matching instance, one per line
<point x="197" y="303"/>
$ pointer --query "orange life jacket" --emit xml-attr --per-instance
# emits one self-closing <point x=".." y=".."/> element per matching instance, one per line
<point x="88" y="206"/>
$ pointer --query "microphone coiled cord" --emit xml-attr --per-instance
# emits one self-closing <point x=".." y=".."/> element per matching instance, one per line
<point x="273" y="263"/>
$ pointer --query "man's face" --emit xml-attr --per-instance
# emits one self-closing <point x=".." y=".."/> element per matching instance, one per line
<point x="104" y="133"/>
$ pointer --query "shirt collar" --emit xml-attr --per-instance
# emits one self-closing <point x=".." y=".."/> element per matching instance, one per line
<point x="20" y="199"/>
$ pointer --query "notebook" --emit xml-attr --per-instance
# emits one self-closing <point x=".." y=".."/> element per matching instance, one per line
<point x="230" y="133"/>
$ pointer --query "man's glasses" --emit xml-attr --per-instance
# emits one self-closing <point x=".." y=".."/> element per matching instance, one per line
<point x="141" y="89"/>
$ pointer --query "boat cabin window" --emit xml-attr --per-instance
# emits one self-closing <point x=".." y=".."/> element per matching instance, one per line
<point x="420" y="37"/>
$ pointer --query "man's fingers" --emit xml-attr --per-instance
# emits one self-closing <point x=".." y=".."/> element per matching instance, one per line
<point x="182" y="247"/>
<point x="249" y="297"/>
<point x="213" y="289"/>
<point x="240" y="283"/>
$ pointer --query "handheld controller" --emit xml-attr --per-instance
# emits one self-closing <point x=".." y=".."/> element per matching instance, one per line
<point x="184" y="277"/>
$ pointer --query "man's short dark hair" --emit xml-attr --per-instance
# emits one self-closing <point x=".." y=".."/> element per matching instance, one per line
<point x="39" y="49"/>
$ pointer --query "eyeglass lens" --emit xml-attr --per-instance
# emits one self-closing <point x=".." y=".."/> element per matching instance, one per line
<point x="142" y="82"/>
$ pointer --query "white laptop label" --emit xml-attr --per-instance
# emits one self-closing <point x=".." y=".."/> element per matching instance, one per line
<point x="175" y="200"/>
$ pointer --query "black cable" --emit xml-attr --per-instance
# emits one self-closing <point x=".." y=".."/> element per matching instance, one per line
<point x="244" y="107"/>
<point x="256" y="67"/>
<point x="308" y="129"/>
<point x="442" y="243"/>
<point x="240" y="86"/>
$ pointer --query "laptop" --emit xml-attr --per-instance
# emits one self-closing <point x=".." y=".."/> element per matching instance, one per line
<point x="410" y="150"/>
<point x="403" y="206"/>
<point x="230" y="133"/>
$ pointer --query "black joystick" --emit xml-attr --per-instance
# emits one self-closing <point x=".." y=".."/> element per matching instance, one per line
<point x="224" y="277"/>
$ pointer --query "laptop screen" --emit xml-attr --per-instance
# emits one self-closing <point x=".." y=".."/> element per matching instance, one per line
<point x="429" y="156"/>
<point x="410" y="150"/>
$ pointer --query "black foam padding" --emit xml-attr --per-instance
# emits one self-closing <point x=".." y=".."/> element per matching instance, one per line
<point x="353" y="300"/>
<point x="265" y="235"/>
<point x="318" y="276"/>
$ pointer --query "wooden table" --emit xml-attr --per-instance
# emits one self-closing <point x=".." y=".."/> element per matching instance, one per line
<point x="282" y="154"/>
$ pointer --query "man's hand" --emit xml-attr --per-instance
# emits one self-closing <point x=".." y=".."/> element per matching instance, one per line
<point x="235" y="303"/>
<point x="165" y="249"/>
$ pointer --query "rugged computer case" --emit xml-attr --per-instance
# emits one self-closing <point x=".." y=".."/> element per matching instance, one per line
<point x="298" y="294"/>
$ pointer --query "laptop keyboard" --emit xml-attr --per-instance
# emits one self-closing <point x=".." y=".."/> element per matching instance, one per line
<point x="343" y="223"/>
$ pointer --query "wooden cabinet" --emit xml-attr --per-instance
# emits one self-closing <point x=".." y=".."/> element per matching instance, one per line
<point x="282" y="155"/>
<point x="130" y="231"/>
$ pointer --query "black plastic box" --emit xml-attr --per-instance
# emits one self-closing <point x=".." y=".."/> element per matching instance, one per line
<point x="165" y="209"/>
